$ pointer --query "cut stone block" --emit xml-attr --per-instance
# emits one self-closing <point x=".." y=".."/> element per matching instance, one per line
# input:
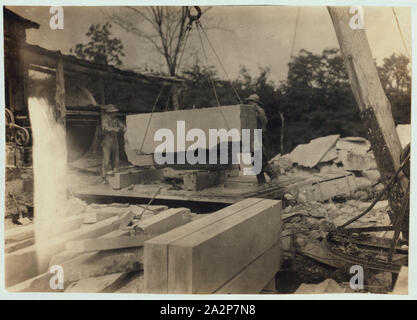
<point x="100" y="244"/>
<point x="205" y="256"/>
<point x="200" y="180"/>
<point x="18" y="245"/>
<point x="257" y="275"/>
<point x="141" y="128"/>
<point x="324" y="189"/>
<point x="222" y="249"/>
<point x="164" y="221"/>
<point x="96" y="284"/>
<point x="156" y="249"/>
<point x="357" y="162"/>
<point x="23" y="264"/>
<point x="122" y="180"/>
<point x="19" y="233"/>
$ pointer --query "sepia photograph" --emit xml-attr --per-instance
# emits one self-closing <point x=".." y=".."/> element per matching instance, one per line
<point x="222" y="149"/>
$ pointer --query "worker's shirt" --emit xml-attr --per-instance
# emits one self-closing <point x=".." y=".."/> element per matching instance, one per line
<point x="111" y="125"/>
<point x="261" y="117"/>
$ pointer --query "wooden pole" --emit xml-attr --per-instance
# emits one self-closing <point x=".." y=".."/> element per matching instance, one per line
<point x="60" y="109"/>
<point x="281" y="115"/>
<point x="373" y="103"/>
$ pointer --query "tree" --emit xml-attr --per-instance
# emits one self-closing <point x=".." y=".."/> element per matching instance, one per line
<point x="396" y="81"/>
<point x="102" y="47"/>
<point x="162" y="27"/>
<point x="317" y="99"/>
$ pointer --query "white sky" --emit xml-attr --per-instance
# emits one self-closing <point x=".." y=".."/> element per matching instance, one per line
<point x="250" y="36"/>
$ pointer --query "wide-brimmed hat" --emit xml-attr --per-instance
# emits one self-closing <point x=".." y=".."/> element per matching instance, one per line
<point x="254" y="98"/>
<point x="111" y="108"/>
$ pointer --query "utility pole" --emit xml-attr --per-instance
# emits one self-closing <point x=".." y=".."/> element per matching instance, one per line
<point x="374" y="106"/>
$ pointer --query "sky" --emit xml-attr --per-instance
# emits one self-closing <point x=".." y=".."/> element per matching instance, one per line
<point x="250" y="36"/>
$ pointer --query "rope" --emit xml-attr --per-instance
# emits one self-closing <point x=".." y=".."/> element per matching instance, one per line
<point x="295" y="31"/>
<point x="167" y="102"/>
<point x="205" y="56"/>
<point x="183" y="48"/>
<point x="150" y="117"/>
<point x="220" y="61"/>
<point x="402" y="36"/>
<point x="211" y="78"/>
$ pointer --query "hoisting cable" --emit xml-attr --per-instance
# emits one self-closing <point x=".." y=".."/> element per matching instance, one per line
<point x="169" y="95"/>
<point x="205" y="57"/>
<point x="295" y="32"/>
<point x="198" y="23"/>
<point x="191" y="19"/>
<point x="150" y="117"/>
<point x="182" y="50"/>
<point x="401" y="34"/>
<point x="379" y="196"/>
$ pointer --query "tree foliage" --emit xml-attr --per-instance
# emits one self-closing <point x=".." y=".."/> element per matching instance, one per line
<point x="396" y="80"/>
<point x="101" y="47"/>
<point x="316" y="99"/>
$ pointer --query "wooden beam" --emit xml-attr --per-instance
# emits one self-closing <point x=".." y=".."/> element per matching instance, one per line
<point x="47" y="58"/>
<point x="60" y="109"/>
<point x="372" y="102"/>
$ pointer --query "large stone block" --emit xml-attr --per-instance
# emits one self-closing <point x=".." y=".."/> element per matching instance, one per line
<point x="204" y="255"/>
<point x="141" y="128"/>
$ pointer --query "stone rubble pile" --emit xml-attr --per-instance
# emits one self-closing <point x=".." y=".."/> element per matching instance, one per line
<point x="340" y="167"/>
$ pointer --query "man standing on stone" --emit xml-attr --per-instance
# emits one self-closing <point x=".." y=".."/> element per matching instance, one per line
<point x="110" y="127"/>
<point x="262" y="121"/>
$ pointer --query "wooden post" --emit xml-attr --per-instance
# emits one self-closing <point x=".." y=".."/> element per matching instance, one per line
<point x="372" y="102"/>
<point x="60" y="109"/>
<point x="175" y="97"/>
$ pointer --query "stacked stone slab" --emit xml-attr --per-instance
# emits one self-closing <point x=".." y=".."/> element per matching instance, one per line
<point x="234" y="250"/>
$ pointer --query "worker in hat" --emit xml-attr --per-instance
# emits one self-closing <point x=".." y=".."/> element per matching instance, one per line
<point x="262" y="121"/>
<point x="110" y="127"/>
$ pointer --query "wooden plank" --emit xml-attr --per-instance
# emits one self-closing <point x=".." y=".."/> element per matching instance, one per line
<point x="156" y="249"/>
<point x="144" y="193"/>
<point x="372" y="102"/>
<point x="256" y="276"/>
<point x="164" y="221"/>
<point x="199" y="180"/>
<point x="222" y="249"/>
